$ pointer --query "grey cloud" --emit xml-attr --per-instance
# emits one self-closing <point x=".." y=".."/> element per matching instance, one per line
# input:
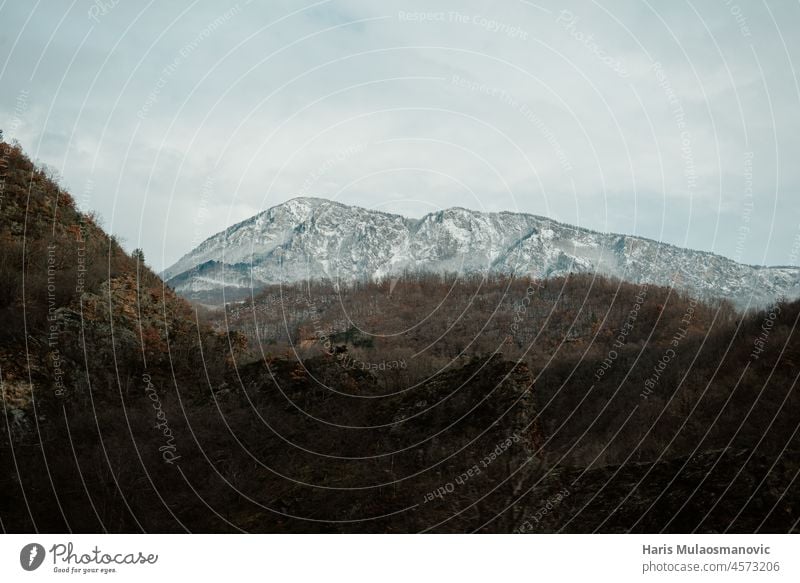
<point x="569" y="119"/>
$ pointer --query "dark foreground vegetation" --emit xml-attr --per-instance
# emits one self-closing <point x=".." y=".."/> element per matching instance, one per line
<point x="444" y="404"/>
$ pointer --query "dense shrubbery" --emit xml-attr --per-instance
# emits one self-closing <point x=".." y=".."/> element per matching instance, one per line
<point x="598" y="348"/>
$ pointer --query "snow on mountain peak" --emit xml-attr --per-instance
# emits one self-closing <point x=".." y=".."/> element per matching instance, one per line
<point x="314" y="238"/>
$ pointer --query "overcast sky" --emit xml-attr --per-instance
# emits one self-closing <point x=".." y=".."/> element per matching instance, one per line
<point x="677" y="121"/>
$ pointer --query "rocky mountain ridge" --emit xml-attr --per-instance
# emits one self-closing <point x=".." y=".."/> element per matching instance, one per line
<point x="312" y="238"/>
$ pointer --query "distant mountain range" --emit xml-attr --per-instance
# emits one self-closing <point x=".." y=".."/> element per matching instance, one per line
<point x="313" y="238"/>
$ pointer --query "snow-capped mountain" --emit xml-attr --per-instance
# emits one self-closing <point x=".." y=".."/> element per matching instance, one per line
<point x="312" y="238"/>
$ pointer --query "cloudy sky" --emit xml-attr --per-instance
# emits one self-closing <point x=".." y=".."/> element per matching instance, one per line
<point x="675" y="121"/>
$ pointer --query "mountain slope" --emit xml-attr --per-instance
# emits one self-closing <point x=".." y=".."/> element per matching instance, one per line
<point x="81" y="318"/>
<point x="311" y="238"/>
